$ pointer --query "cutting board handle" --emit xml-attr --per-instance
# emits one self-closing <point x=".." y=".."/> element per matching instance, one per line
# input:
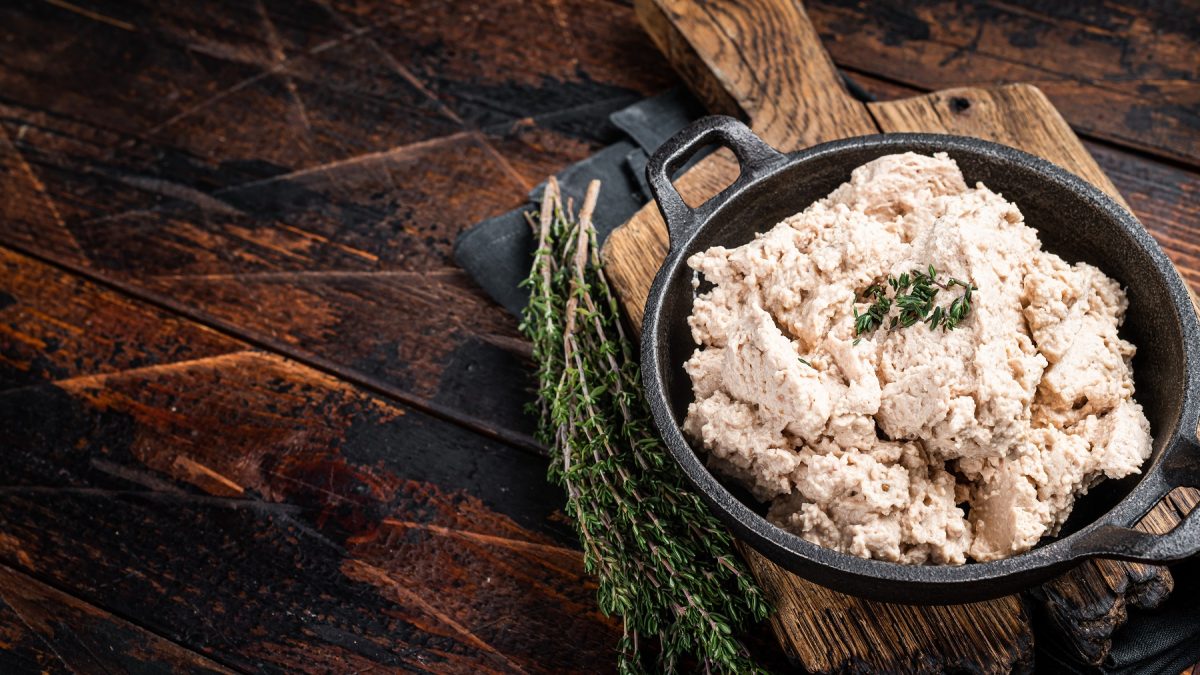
<point x="765" y="57"/>
<point x="754" y="158"/>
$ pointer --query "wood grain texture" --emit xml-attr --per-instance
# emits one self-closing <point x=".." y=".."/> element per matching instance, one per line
<point x="265" y="514"/>
<point x="299" y="173"/>
<point x="768" y="59"/>
<point x="43" y="630"/>
<point x="1089" y="603"/>
<point x="830" y="632"/>
<point x="1126" y="72"/>
<point x="1164" y="198"/>
<point x="705" y="84"/>
<point x="340" y="242"/>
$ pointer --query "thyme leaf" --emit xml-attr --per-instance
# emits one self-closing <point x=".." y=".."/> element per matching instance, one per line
<point x="914" y="295"/>
<point x="663" y="562"/>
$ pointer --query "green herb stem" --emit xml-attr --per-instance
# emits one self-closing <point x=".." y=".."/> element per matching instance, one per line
<point x="664" y="564"/>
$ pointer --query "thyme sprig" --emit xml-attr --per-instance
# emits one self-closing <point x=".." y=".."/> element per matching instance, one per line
<point x="913" y="295"/>
<point x="664" y="564"/>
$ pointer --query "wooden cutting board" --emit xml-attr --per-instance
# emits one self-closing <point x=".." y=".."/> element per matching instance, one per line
<point x="763" y="61"/>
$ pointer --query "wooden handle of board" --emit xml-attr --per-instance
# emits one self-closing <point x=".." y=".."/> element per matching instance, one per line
<point x="763" y="57"/>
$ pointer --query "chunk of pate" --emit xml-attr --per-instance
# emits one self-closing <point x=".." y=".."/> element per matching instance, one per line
<point x="874" y="448"/>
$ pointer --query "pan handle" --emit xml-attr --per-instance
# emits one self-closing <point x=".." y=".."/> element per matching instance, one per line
<point x="1116" y="538"/>
<point x="753" y="155"/>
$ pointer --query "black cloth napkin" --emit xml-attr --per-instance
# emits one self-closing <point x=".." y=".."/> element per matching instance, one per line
<point x="497" y="253"/>
<point x="1162" y="640"/>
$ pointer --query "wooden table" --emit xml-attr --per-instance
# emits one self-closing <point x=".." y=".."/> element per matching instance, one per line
<point x="253" y="416"/>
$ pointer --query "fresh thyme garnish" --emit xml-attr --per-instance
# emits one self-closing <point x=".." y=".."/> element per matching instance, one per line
<point x="663" y="562"/>
<point x="913" y="294"/>
<point x="805" y="362"/>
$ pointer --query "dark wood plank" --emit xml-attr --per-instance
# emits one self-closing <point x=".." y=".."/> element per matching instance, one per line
<point x="1163" y="197"/>
<point x="318" y="262"/>
<point x="209" y="81"/>
<point x="50" y="329"/>
<point x="1127" y="71"/>
<point x="247" y="160"/>
<point x="266" y="514"/>
<point x="494" y="63"/>
<point x="46" y="631"/>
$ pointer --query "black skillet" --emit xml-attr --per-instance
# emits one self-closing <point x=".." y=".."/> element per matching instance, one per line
<point x="1074" y="220"/>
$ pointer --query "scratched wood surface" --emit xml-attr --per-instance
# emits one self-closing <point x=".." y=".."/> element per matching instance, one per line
<point x="264" y="423"/>
<point x="266" y="514"/>
<point x="43" y="629"/>
<point x="1126" y="72"/>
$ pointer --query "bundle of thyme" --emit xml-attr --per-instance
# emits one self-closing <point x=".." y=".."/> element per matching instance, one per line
<point x="913" y="295"/>
<point x="665" y="565"/>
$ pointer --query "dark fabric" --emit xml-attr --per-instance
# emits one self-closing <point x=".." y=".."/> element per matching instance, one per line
<point x="497" y="253"/>
<point x="651" y="122"/>
<point x="1162" y="640"/>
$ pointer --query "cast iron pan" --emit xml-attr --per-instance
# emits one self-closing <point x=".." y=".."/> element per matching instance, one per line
<point x="1074" y="219"/>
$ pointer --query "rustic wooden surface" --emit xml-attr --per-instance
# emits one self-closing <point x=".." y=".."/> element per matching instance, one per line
<point x="43" y="629"/>
<point x="265" y="513"/>
<point x="263" y="423"/>
<point x="1121" y="71"/>
<point x="729" y="46"/>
